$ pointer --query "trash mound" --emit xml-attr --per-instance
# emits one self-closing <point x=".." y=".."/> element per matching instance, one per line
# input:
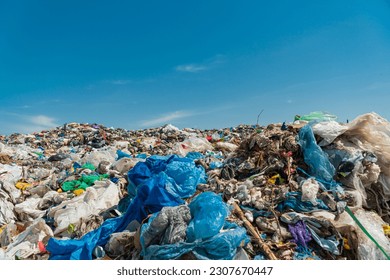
<point x="310" y="189"/>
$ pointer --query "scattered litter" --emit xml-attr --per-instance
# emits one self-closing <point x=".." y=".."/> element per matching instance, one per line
<point x="311" y="189"/>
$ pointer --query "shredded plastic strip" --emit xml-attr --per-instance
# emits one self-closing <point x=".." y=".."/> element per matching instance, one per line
<point x="366" y="232"/>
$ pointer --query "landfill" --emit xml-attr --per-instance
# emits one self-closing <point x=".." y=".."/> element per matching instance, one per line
<point x="310" y="189"/>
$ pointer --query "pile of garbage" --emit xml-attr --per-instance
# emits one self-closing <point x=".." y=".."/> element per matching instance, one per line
<point x="310" y="189"/>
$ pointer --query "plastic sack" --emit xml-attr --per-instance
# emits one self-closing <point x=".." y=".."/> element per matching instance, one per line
<point x="7" y="234"/>
<point x="315" y="158"/>
<point x="300" y="233"/>
<point x="186" y="176"/>
<point x="329" y="131"/>
<point x="373" y="224"/>
<point x="151" y="197"/>
<point x="208" y="213"/>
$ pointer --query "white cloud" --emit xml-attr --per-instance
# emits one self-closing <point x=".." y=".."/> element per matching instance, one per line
<point x="166" y="118"/>
<point x="191" y="68"/>
<point x="43" y="121"/>
<point x="29" y="124"/>
<point x="121" y="82"/>
<point x="199" y="67"/>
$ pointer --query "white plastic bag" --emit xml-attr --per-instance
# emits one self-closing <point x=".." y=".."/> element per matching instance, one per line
<point x="96" y="156"/>
<point x="192" y="144"/>
<point x="101" y="196"/>
<point x="329" y="131"/>
<point x="310" y="189"/>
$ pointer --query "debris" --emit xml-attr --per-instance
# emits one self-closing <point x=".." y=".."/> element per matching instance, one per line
<point x="311" y="189"/>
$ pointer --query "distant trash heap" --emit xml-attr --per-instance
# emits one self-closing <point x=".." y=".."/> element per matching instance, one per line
<point x="311" y="189"/>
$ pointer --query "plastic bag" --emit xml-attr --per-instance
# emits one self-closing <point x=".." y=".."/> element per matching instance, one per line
<point x="123" y="165"/>
<point x="170" y="128"/>
<point x="316" y="116"/>
<point x="28" y="209"/>
<point x="96" y="156"/>
<point x="208" y="213"/>
<point x="192" y="144"/>
<point x="94" y="200"/>
<point x="329" y="131"/>
<point x="315" y="158"/>
<point x="310" y="189"/>
<point x="182" y="173"/>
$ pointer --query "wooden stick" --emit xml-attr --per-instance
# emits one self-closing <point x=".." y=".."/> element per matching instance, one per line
<point x="263" y="246"/>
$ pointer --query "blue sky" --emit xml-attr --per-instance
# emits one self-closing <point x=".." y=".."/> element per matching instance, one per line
<point x="203" y="64"/>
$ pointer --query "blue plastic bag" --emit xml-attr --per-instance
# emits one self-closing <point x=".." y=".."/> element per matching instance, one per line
<point x="120" y="154"/>
<point x="315" y="158"/>
<point x="208" y="213"/>
<point x="183" y="174"/>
